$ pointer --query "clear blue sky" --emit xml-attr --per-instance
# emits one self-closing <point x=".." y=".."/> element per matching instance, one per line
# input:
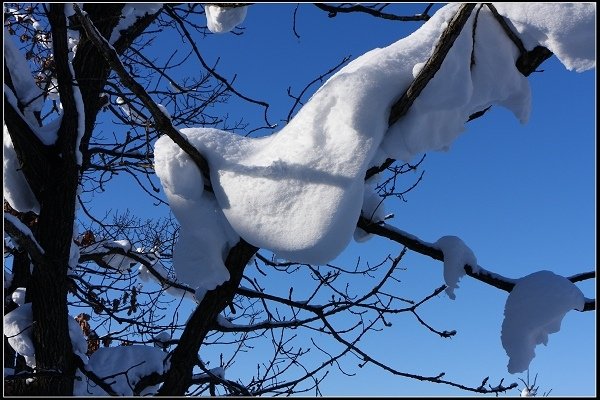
<point x="521" y="196"/>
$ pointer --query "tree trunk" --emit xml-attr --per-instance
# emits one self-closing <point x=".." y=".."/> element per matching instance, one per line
<point x="185" y="355"/>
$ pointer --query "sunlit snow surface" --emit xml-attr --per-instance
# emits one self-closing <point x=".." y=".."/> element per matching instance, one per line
<point x="300" y="191"/>
<point x="17" y="328"/>
<point x="456" y="255"/>
<point x="224" y="19"/>
<point x="16" y="190"/>
<point x="563" y="28"/>
<point x="127" y="365"/>
<point x="28" y="93"/>
<point x="130" y="14"/>
<point x="534" y="309"/>
<point x="205" y="235"/>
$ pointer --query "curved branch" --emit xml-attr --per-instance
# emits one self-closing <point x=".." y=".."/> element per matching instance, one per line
<point x="528" y="61"/>
<point x="163" y="123"/>
<point x="433" y="64"/>
<point x="334" y="10"/>
<point x="211" y="70"/>
<point x="435" y="379"/>
<point x="493" y="279"/>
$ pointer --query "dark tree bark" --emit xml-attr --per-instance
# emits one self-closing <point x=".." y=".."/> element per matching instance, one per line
<point x="185" y="356"/>
<point x="53" y="174"/>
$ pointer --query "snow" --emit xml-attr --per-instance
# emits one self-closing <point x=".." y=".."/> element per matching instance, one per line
<point x="161" y="340"/>
<point x="130" y="14"/>
<point x="222" y="321"/>
<point x="205" y="236"/>
<point x="300" y="191"/>
<point x="78" y="341"/>
<point x="24" y="230"/>
<point x="137" y="361"/>
<point x="17" y="328"/>
<point x="174" y="87"/>
<point x="566" y="29"/>
<point x="535" y="309"/>
<point x="131" y="113"/>
<point x="79" y="107"/>
<point x="73" y="257"/>
<point x="224" y="19"/>
<point x="18" y="296"/>
<point x="438" y="115"/>
<point x="117" y="261"/>
<point x="164" y="110"/>
<point x="456" y="255"/>
<point x="53" y="93"/>
<point x="219" y="372"/>
<point x="16" y="190"/>
<point x="73" y="34"/>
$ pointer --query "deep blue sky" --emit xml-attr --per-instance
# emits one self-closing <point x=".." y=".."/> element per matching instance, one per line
<point x="521" y="196"/>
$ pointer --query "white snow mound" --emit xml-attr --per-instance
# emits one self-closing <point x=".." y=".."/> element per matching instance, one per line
<point x="299" y="192"/>
<point x="535" y="309"/>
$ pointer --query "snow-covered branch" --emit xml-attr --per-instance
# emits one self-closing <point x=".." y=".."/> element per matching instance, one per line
<point x="91" y="375"/>
<point x="30" y="150"/>
<point x="23" y="236"/>
<point x="528" y="61"/>
<point x="477" y="272"/>
<point x="433" y="64"/>
<point x="72" y="123"/>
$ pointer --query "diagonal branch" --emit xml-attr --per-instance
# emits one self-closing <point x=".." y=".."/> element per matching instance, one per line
<point x="163" y="123"/>
<point x="528" y="61"/>
<point x="212" y="70"/>
<point x="427" y="73"/>
<point x="23" y="236"/>
<point x="414" y="243"/>
<point x="433" y="64"/>
<point x="436" y="379"/>
<point x="334" y="10"/>
<point x="94" y="378"/>
<point x="32" y="153"/>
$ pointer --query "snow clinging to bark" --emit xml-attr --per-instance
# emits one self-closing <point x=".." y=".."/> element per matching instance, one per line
<point x="137" y="362"/>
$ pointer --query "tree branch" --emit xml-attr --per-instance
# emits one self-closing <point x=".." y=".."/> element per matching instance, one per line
<point x="433" y="64"/>
<point x="528" y="61"/>
<point x="22" y="235"/>
<point x="69" y="128"/>
<point x="94" y="378"/>
<point x="425" y="248"/>
<point x="212" y="70"/>
<point x="32" y="153"/>
<point x="334" y="10"/>
<point x="163" y="123"/>
<point x="183" y="358"/>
